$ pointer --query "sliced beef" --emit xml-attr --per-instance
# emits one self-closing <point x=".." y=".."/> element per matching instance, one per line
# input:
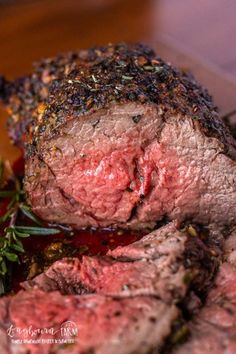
<point x="166" y="243"/>
<point x="106" y="276"/>
<point x="120" y="138"/>
<point x="137" y="289"/>
<point x="213" y="330"/>
<point x="162" y="264"/>
<point x="98" y="324"/>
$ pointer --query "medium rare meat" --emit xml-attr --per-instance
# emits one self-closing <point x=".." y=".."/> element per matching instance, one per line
<point x="117" y="137"/>
<point x="99" y="325"/>
<point x="136" y="288"/>
<point x="113" y="278"/>
<point x="162" y="264"/>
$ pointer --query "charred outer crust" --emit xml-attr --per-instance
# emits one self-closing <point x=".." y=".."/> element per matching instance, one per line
<point x="75" y="84"/>
<point x="26" y="95"/>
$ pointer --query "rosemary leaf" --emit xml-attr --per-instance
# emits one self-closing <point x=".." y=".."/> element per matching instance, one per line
<point x="5" y="216"/>
<point x="18" y="242"/>
<point x="11" y="246"/>
<point x="11" y="256"/>
<point x="12" y="202"/>
<point x="3" y="267"/>
<point x="6" y="194"/>
<point x="26" y="210"/>
<point x="18" y="248"/>
<point x="21" y="234"/>
<point x="2" y="288"/>
<point x="36" y="230"/>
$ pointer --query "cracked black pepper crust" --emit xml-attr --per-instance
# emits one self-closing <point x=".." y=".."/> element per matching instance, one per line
<point x="75" y="84"/>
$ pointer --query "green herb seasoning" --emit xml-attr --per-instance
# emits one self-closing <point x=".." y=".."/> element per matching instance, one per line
<point x="12" y="233"/>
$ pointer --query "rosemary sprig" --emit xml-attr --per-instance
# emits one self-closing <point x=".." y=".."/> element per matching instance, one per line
<point x="11" y="245"/>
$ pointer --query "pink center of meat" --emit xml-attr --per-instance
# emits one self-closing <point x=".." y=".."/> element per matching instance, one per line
<point x="114" y="185"/>
<point x="109" y="182"/>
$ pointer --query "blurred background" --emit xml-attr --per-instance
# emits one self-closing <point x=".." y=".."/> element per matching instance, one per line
<point x="32" y="29"/>
<point x="198" y="35"/>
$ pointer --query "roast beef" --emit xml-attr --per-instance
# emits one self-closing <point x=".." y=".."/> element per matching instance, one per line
<point x="117" y="137"/>
<point x="162" y="264"/>
<point x="99" y="325"/>
<point x="213" y="330"/>
<point x="137" y="289"/>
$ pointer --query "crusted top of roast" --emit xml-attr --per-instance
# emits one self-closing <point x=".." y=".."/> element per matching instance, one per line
<point x="74" y="84"/>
